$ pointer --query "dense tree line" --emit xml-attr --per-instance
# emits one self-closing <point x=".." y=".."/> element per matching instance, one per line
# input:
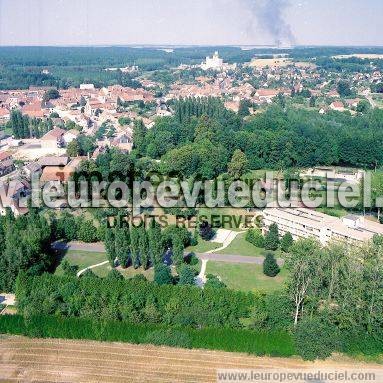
<point x="136" y="301"/>
<point x="24" y="246"/>
<point x="277" y="139"/>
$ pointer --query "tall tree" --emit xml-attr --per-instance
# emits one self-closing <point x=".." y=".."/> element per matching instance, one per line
<point x="304" y="264"/>
<point x="135" y="246"/>
<point x="156" y="247"/>
<point x="238" y="165"/>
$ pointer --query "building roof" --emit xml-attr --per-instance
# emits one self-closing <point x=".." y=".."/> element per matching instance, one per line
<point x="56" y="173"/>
<point x="5" y="155"/>
<point x="53" y="161"/>
<point x="54" y="134"/>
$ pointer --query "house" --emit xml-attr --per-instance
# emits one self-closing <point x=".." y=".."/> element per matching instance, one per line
<point x="4" y="114"/>
<point x="53" y="161"/>
<point x="266" y="95"/>
<point x="338" y="106"/>
<point x="33" y="110"/>
<point x="6" y="163"/>
<point x="32" y="169"/>
<point x="11" y="194"/>
<point x="70" y="135"/>
<point x="61" y="173"/>
<point x="53" y="139"/>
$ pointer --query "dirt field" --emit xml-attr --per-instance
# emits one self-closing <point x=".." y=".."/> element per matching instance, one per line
<point x="35" y="360"/>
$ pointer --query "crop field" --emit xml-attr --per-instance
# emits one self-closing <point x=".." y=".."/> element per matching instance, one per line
<point x="36" y="360"/>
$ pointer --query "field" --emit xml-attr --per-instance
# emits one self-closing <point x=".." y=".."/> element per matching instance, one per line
<point x="246" y="277"/>
<point x="275" y="62"/>
<point x="26" y="360"/>
<point x="82" y="259"/>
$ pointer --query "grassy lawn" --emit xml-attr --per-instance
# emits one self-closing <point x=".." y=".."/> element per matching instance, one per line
<point x="130" y="272"/>
<point x="203" y="246"/>
<point x="82" y="259"/>
<point x="246" y="277"/>
<point x="240" y="246"/>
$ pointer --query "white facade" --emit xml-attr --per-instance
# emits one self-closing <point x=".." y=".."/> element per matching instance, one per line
<point x="214" y="63"/>
<point x="86" y="86"/>
<point x="305" y="223"/>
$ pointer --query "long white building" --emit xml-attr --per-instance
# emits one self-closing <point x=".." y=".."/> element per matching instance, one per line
<point x="305" y="223"/>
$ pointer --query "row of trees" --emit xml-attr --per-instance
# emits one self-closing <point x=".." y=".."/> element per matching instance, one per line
<point x="145" y="247"/>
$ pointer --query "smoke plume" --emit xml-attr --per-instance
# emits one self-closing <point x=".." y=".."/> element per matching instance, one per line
<point x="269" y="15"/>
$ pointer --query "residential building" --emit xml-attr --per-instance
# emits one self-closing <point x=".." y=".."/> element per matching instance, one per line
<point x="305" y="223"/>
<point x="53" y="139"/>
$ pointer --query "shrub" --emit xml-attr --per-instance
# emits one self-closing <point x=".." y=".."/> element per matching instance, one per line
<point x="255" y="237"/>
<point x="169" y="337"/>
<point x="315" y="339"/>
<point x="214" y="282"/>
<point x="270" y="266"/>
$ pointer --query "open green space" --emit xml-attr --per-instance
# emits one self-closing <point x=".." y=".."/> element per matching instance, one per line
<point x="240" y="246"/>
<point x="203" y="247"/>
<point x="82" y="259"/>
<point x="246" y="277"/>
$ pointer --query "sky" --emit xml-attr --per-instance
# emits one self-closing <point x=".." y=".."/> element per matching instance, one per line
<point x="191" y="22"/>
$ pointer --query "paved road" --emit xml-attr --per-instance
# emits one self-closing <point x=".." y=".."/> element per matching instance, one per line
<point x="100" y="248"/>
<point x="79" y="246"/>
<point x="228" y="258"/>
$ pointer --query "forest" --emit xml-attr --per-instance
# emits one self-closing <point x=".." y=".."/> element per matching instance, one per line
<point x="202" y="137"/>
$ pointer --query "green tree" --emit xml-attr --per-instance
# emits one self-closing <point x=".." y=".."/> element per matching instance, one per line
<point x="272" y="238"/>
<point x="315" y="339"/>
<point x="178" y="250"/>
<point x="255" y="237"/>
<point x="156" y="247"/>
<point x="51" y="94"/>
<point x="73" y="149"/>
<point x="110" y="246"/>
<point x="304" y="264"/>
<point x="144" y="248"/>
<point x="122" y="246"/>
<point x="286" y="242"/>
<point x="238" y="165"/>
<point x="270" y="266"/>
<point x="115" y="275"/>
<point x="162" y="275"/>
<point x="186" y="275"/>
<point x="344" y="89"/>
<point x="87" y="231"/>
<point x="243" y="110"/>
<point x="135" y="246"/>
<point x="363" y="106"/>
<point x="213" y="282"/>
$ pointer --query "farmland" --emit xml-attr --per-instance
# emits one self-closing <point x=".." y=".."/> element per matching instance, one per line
<point x="37" y="360"/>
